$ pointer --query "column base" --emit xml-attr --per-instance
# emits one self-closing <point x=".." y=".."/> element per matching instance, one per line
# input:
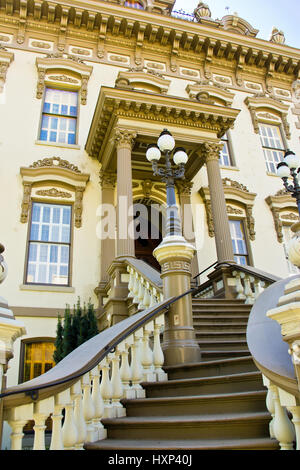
<point x="181" y="351"/>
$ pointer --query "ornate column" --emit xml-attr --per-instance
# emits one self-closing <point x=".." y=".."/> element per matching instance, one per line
<point x="107" y="182"/>
<point x="184" y="190"/>
<point x="211" y="152"/>
<point x="125" y="240"/>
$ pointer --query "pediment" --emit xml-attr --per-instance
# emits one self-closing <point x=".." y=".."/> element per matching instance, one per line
<point x="142" y="81"/>
<point x="235" y="24"/>
<point x="210" y="94"/>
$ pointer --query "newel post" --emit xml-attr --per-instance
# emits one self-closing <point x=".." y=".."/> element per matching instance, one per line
<point x="10" y="330"/>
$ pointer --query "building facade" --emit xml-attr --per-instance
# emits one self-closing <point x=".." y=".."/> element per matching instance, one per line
<point x="84" y="88"/>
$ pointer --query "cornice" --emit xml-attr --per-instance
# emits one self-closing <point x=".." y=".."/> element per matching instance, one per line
<point x="102" y="19"/>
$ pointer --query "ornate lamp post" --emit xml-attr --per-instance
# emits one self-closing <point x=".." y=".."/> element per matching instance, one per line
<point x="174" y="255"/>
<point x="290" y="168"/>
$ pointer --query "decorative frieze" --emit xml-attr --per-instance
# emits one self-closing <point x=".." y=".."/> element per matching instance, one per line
<point x="53" y="192"/>
<point x="41" y="44"/>
<point x="55" y="162"/>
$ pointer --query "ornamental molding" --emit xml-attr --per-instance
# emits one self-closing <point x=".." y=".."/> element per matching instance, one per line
<point x="146" y="80"/>
<point x="284" y="211"/>
<point x="239" y="202"/>
<point x="57" y="69"/>
<point x="269" y="110"/>
<point x="210" y="93"/>
<point x="5" y="60"/>
<point x="107" y="179"/>
<point x="59" y="173"/>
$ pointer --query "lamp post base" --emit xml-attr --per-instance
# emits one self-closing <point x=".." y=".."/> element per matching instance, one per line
<point x="179" y="343"/>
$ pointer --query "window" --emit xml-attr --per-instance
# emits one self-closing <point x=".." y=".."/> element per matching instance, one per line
<point x="59" y="118"/>
<point x="38" y="359"/>
<point x="272" y="144"/>
<point x="238" y="241"/>
<point x="49" y="244"/>
<point x="134" y="4"/>
<point x="225" y="157"/>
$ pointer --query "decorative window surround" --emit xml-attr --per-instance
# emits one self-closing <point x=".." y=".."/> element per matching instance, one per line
<point x="53" y="179"/>
<point x="270" y="111"/>
<point x="239" y="202"/>
<point x="147" y="80"/>
<point x="284" y="211"/>
<point x="58" y="71"/>
<point x="213" y="94"/>
<point x="5" y="60"/>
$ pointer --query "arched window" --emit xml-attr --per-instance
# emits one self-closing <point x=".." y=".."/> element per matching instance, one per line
<point x="134" y="4"/>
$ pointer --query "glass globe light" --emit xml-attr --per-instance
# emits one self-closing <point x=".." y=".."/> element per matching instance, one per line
<point x="292" y="160"/>
<point x="153" y="153"/>
<point x="283" y="170"/>
<point x="180" y="156"/>
<point x="166" y="141"/>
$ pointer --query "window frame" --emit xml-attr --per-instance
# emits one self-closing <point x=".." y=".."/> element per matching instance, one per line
<point x="227" y="139"/>
<point x="70" y="244"/>
<point x="246" y="235"/>
<point x="278" y="126"/>
<point x="23" y="343"/>
<point x="63" y="89"/>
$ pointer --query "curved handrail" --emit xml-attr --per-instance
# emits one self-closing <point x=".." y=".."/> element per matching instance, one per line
<point x="84" y="358"/>
<point x="265" y="341"/>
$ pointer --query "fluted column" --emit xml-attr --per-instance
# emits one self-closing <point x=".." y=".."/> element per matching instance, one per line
<point x="211" y="152"/>
<point x="125" y="240"/>
<point x="108" y="182"/>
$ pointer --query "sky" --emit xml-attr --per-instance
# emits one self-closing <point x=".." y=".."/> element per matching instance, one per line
<point x="261" y="14"/>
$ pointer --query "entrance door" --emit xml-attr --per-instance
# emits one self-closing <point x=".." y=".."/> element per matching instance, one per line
<point x="148" y="234"/>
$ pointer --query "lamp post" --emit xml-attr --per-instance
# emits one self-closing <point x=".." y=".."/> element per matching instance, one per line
<point x="174" y="254"/>
<point x="290" y="167"/>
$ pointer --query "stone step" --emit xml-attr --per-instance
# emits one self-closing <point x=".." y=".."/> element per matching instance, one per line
<point x="230" y="383"/>
<point x="233" y="426"/>
<point x="236" y="327"/>
<point x="176" y="444"/>
<point x="217" y="336"/>
<point x="208" y="355"/>
<point x="223" y="344"/>
<point x="212" y="368"/>
<point x="232" y="403"/>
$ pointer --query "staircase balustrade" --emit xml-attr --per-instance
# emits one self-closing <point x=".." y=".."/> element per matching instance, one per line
<point x="86" y="398"/>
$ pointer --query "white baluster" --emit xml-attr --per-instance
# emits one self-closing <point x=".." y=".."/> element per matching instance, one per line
<point x="295" y="410"/>
<point x="153" y="294"/>
<point x="106" y="389"/>
<point x="258" y="287"/>
<point x="60" y="401"/>
<point x="141" y="293"/>
<point x="136" y="367"/>
<point x="69" y="430"/>
<point x="88" y="406"/>
<point x="117" y="386"/>
<point x="131" y="282"/>
<point x="147" y="297"/>
<point x="239" y="286"/>
<point x="248" y="291"/>
<point x="283" y="428"/>
<point x="41" y="411"/>
<point x="101" y="432"/>
<point x="136" y="287"/>
<point x="291" y="403"/>
<point x="147" y="354"/>
<point x="17" y="417"/>
<point x="17" y="434"/>
<point x="125" y="370"/>
<point x="158" y="356"/>
<point x="80" y="424"/>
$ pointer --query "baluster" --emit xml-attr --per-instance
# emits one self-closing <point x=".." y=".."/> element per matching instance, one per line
<point x="153" y="294"/>
<point x="283" y="428"/>
<point x="59" y="403"/>
<point x="101" y="432"/>
<point x="248" y="291"/>
<point x="136" y="287"/>
<point x="147" y="354"/>
<point x="117" y="386"/>
<point x="131" y="282"/>
<point x="147" y="298"/>
<point x="17" y="418"/>
<point x="295" y="410"/>
<point x="141" y="294"/>
<point x="158" y="355"/>
<point x="80" y="424"/>
<point x="258" y="287"/>
<point x="270" y="405"/>
<point x="106" y="389"/>
<point x="125" y="370"/>
<point x="69" y="430"/>
<point x="88" y="406"/>
<point x="136" y="367"/>
<point x="239" y="286"/>
<point x="41" y="411"/>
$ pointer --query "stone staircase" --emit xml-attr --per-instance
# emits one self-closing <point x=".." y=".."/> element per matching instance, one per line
<point x="219" y="403"/>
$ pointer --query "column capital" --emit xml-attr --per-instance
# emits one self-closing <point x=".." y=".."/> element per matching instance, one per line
<point x="124" y="138"/>
<point x="211" y="150"/>
<point x="184" y="187"/>
<point x="107" y="179"/>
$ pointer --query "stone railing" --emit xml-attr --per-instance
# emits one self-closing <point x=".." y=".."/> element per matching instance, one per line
<point x="144" y="285"/>
<point x="89" y="383"/>
<point x="233" y="281"/>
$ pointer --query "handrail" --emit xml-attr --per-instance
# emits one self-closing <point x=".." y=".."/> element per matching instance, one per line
<point x="108" y="340"/>
<point x="204" y="270"/>
<point x="147" y="271"/>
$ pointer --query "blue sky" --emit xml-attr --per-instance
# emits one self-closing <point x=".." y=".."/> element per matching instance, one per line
<point x="261" y="14"/>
